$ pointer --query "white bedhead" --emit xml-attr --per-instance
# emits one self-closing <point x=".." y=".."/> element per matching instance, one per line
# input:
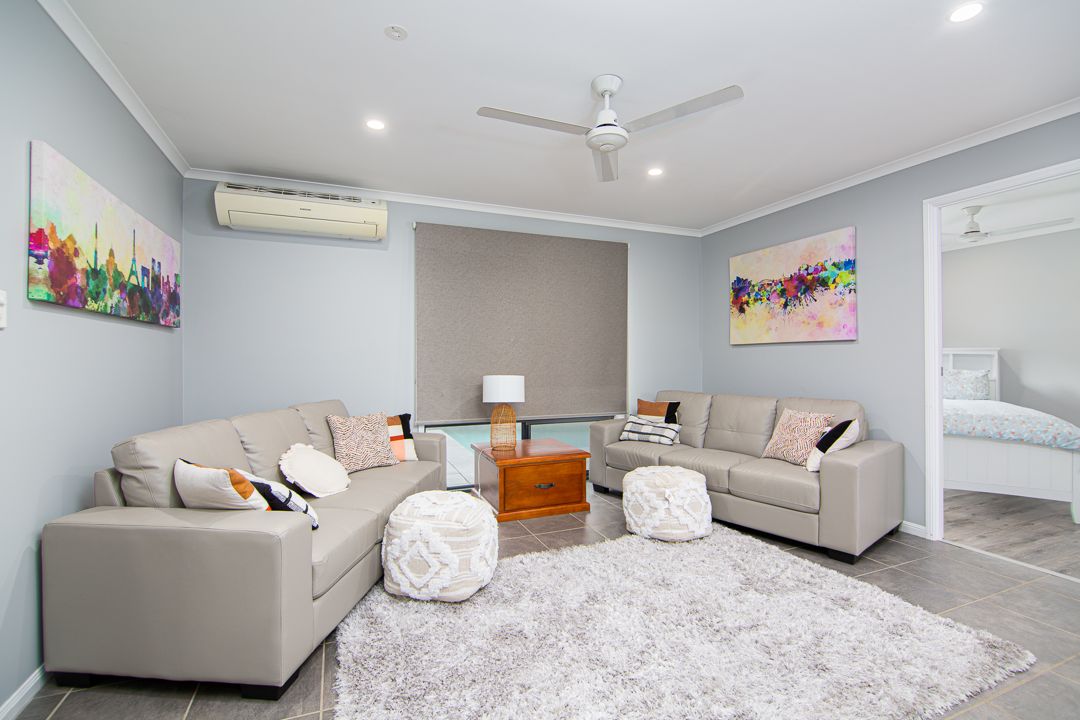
<point x="975" y="359"/>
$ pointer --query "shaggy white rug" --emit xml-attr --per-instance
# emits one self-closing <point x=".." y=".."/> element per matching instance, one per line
<point x="722" y="627"/>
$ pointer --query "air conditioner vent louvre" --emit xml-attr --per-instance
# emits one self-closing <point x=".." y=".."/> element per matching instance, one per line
<point x="286" y="192"/>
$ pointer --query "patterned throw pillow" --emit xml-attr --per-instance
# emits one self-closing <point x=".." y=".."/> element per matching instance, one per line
<point x="796" y="435"/>
<point x="640" y="429"/>
<point x="279" y="497"/>
<point x="210" y="488"/>
<point x="663" y="412"/>
<point x="401" y="439"/>
<point x="967" y="384"/>
<point x="361" y="441"/>
<point x="840" y="436"/>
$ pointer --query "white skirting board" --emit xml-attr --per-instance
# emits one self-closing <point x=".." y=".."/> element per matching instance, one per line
<point x="23" y="695"/>
<point x="1013" y="468"/>
<point x="914" y="529"/>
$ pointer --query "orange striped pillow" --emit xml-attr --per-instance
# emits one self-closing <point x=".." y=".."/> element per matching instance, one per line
<point x="401" y="439"/>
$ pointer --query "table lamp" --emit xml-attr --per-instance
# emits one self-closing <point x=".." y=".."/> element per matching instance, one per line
<point x="504" y="389"/>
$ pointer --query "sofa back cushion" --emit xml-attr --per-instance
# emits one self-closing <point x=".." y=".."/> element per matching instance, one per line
<point x="266" y="436"/>
<point x="693" y="414"/>
<point x="314" y="417"/>
<point x="145" y="462"/>
<point x="740" y="423"/>
<point x="839" y="409"/>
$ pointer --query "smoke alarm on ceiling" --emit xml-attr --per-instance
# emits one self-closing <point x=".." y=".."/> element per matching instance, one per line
<point x="396" y="32"/>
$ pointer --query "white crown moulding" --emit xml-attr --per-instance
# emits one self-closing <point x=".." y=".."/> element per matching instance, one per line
<point x="72" y="26"/>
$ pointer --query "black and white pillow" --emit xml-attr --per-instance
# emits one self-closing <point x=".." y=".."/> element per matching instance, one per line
<point x="279" y="497"/>
<point x="638" y="428"/>
<point x="838" y="437"/>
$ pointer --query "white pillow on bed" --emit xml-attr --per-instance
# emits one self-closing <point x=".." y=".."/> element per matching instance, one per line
<point x="967" y="384"/>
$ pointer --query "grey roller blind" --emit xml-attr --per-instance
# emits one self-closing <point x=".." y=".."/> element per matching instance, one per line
<point x="490" y="302"/>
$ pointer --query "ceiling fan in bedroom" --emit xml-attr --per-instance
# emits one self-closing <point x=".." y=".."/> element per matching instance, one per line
<point x="607" y="136"/>
<point x="973" y="232"/>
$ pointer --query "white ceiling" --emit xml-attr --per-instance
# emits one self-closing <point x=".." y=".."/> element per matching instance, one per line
<point x="1052" y="200"/>
<point x="833" y="88"/>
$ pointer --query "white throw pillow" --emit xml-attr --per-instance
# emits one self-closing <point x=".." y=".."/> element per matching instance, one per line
<point x="840" y="436"/>
<point x="313" y="471"/>
<point x="210" y="488"/>
<point x="966" y="384"/>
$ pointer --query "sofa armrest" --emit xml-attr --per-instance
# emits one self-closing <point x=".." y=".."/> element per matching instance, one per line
<point x="862" y="495"/>
<point x="432" y="446"/>
<point x="179" y="594"/>
<point x="602" y="434"/>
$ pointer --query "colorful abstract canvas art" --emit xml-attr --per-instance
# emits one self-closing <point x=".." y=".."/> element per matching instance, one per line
<point x="801" y="291"/>
<point x="89" y="250"/>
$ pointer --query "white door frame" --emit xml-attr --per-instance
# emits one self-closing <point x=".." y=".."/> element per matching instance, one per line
<point x="935" y="439"/>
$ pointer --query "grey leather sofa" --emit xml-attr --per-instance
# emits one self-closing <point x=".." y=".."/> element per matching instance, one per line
<point x="847" y="507"/>
<point x="141" y="586"/>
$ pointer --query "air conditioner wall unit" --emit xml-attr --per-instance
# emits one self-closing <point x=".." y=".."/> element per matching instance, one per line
<point x="297" y="212"/>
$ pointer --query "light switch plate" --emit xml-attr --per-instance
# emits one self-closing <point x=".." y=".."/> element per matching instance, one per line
<point x="3" y="309"/>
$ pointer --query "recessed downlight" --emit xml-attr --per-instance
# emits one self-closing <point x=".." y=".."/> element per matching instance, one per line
<point x="966" y="12"/>
<point x="374" y="124"/>
<point x="656" y="172"/>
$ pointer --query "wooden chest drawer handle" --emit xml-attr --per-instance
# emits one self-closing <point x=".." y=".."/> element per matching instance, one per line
<point x="544" y="486"/>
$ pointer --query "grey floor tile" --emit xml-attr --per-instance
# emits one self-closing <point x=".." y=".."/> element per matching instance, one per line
<point x="915" y="541"/>
<point x="1042" y="605"/>
<point x="329" y="677"/>
<point x="520" y="546"/>
<point x="916" y="590"/>
<point x="1050" y="645"/>
<point x="569" y="538"/>
<point x="1046" y="696"/>
<point x="1060" y="585"/>
<point x="601" y="514"/>
<point x="612" y="530"/>
<point x="862" y="566"/>
<point x="50" y="688"/>
<point x="512" y="529"/>
<point x="995" y="565"/>
<point x="1070" y="670"/>
<point x="40" y="707"/>
<point x="983" y="711"/>
<point x="144" y="699"/>
<point x="890" y="552"/>
<point x="551" y="523"/>
<point x="217" y="702"/>
<point x="959" y="576"/>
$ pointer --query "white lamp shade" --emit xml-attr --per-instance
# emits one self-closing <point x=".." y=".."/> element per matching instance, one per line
<point x="504" y="388"/>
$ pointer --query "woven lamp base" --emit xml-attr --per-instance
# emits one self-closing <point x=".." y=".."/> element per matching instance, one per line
<point x="503" y="427"/>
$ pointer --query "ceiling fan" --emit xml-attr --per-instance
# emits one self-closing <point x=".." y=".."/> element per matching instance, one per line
<point x="607" y="135"/>
<point x="973" y="232"/>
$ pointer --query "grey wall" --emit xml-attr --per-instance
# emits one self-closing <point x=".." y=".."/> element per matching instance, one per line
<point x="883" y="369"/>
<point x="76" y="382"/>
<point x="1020" y="296"/>
<point x="272" y="320"/>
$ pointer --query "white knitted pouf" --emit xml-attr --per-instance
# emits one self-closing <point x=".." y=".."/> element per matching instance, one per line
<point x="440" y="545"/>
<point x="666" y="503"/>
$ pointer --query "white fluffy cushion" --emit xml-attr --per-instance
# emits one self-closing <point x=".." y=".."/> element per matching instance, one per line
<point x="210" y="488"/>
<point x="313" y="471"/>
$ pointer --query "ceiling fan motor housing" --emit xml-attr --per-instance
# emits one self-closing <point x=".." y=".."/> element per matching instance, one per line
<point x="607" y="136"/>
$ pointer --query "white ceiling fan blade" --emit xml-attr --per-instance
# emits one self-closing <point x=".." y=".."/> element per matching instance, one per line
<point x="1033" y="226"/>
<point x="733" y="92"/>
<point x="607" y="165"/>
<point x="532" y="120"/>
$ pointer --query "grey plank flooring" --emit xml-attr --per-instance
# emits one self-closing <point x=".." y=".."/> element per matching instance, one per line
<point x="1036" y="610"/>
<point x="1038" y="532"/>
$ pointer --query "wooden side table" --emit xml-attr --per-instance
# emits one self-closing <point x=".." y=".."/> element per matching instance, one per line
<point x="537" y="478"/>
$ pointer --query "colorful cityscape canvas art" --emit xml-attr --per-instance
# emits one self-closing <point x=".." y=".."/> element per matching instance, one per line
<point x="800" y="291"/>
<point x="89" y="250"/>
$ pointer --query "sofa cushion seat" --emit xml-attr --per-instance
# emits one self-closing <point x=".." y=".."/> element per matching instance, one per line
<point x="713" y="464"/>
<point x="632" y="454"/>
<point x="776" y="482"/>
<point x="380" y="490"/>
<point x="343" y="538"/>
